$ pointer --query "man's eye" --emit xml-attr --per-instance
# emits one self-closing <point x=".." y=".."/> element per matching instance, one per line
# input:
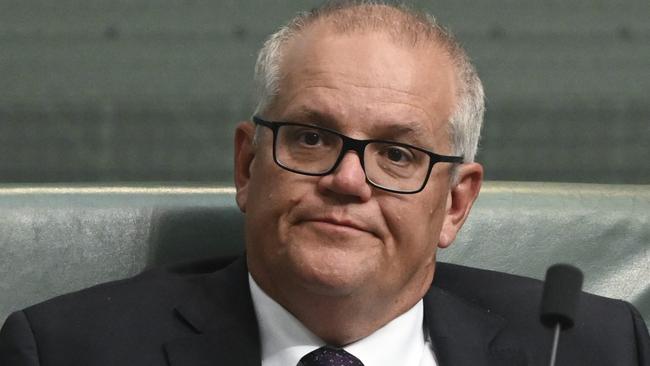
<point x="398" y="154"/>
<point x="311" y="138"/>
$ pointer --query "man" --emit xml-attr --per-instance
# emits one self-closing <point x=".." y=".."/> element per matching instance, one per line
<point x="356" y="167"/>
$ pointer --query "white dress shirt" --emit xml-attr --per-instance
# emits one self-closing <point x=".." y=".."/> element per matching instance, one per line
<point x="285" y="340"/>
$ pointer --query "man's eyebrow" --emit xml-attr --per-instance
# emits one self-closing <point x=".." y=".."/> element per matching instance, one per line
<point x="402" y="128"/>
<point x="412" y="133"/>
<point x="313" y="117"/>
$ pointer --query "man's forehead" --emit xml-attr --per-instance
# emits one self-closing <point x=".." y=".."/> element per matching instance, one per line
<point x="323" y="118"/>
<point x="418" y="131"/>
<point x="371" y="66"/>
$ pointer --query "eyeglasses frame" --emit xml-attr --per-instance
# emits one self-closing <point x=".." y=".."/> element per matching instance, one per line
<point x="357" y="146"/>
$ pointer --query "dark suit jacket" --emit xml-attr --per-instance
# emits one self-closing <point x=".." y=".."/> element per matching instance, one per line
<point x="164" y="317"/>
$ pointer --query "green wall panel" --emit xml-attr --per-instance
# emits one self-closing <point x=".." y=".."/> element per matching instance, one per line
<point x="146" y="90"/>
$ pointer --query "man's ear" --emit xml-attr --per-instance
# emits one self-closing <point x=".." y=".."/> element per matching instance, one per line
<point x="244" y="154"/>
<point x="460" y="200"/>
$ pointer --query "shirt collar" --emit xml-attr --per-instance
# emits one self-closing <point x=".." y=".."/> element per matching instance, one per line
<point x="285" y="340"/>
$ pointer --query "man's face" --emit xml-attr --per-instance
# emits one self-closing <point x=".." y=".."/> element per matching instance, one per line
<point x="336" y="235"/>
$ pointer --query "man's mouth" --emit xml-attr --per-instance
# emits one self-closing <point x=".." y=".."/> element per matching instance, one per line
<point x="338" y="223"/>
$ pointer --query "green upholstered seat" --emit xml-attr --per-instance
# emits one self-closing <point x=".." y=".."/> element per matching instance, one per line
<point x="57" y="239"/>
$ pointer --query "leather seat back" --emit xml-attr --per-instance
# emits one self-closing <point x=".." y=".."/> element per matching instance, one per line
<point x="57" y="239"/>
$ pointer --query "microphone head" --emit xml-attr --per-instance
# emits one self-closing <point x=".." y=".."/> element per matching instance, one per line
<point x="561" y="294"/>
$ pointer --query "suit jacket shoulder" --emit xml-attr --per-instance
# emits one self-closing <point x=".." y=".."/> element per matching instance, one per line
<point x="137" y="321"/>
<point x="606" y="331"/>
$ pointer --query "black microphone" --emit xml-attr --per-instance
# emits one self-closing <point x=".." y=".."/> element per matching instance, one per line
<point x="560" y="300"/>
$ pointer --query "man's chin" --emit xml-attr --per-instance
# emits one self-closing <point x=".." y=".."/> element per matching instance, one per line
<point x="331" y="286"/>
<point x="334" y="272"/>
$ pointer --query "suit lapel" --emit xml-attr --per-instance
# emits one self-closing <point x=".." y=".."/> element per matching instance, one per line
<point x="465" y="334"/>
<point x="223" y="318"/>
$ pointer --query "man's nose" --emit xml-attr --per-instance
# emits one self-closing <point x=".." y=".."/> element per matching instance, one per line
<point x="348" y="178"/>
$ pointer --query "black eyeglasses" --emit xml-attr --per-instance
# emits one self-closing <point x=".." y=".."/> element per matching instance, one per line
<point x="317" y="151"/>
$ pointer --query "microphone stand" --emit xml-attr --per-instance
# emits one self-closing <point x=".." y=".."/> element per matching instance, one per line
<point x="556" y="339"/>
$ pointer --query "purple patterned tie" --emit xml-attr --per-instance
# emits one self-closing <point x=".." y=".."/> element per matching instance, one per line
<point x="329" y="356"/>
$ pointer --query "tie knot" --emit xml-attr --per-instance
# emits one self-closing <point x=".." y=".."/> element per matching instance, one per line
<point x="329" y="356"/>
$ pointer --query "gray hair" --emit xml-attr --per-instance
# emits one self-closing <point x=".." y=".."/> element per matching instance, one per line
<point x="403" y="25"/>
